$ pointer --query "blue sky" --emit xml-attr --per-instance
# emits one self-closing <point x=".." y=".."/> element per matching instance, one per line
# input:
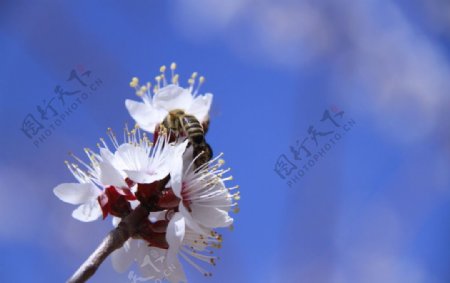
<point x="373" y="209"/>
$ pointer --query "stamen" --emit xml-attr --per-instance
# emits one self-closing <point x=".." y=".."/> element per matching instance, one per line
<point x="162" y="69"/>
<point x="196" y="266"/>
<point x="173" y="66"/>
<point x="134" y="82"/>
<point x="158" y="82"/>
<point x="200" y="82"/>
<point x="175" y="79"/>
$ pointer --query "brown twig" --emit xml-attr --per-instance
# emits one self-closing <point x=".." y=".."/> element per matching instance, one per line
<point x="114" y="240"/>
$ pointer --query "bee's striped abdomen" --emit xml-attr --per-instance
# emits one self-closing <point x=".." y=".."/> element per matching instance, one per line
<point x="193" y="128"/>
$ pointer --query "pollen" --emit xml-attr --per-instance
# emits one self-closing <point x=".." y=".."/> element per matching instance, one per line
<point x="134" y="82"/>
<point x="143" y="89"/>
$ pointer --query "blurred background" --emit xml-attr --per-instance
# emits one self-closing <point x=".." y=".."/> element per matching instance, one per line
<point x="373" y="207"/>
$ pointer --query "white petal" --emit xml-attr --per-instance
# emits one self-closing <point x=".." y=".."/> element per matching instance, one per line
<point x="175" y="236"/>
<point x="200" y="107"/>
<point x="211" y="217"/>
<point x="144" y="178"/>
<point x="111" y="176"/>
<point x="88" y="212"/>
<point x="106" y="154"/>
<point x="188" y="156"/>
<point x="145" y="115"/>
<point x="190" y="222"/>
<point x="172" y="97"/>
<point x="122" y="258"/>
<point x="76" y="193"/>
<point x="176" y="172"/>
<point x="131" y="157"/>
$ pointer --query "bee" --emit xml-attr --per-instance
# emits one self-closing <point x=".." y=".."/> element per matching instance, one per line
<point x="180" y="123"/>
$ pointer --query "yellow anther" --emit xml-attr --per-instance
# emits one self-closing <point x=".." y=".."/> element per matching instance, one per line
<point x="194" y="75"/>
<point x="143" y="89"/>
<point x="134" y="82"/>
<point x="162" y="69"/>
<point x="173" y="66"/>
<point x="191" y="81"/>
<point x="202" y="79"/>
<point x="221" y="162"/>
<point x="237" y="197"/>
<point x="158" y="78"/>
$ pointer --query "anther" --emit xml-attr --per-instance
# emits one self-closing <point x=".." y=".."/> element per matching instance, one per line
<point x="134" y="82"/>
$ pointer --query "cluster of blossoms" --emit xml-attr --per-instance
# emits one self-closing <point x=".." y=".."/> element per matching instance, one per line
<point x="185" y="201"/>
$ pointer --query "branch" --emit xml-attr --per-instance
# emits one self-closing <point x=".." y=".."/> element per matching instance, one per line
<point x="114" y="240"/>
